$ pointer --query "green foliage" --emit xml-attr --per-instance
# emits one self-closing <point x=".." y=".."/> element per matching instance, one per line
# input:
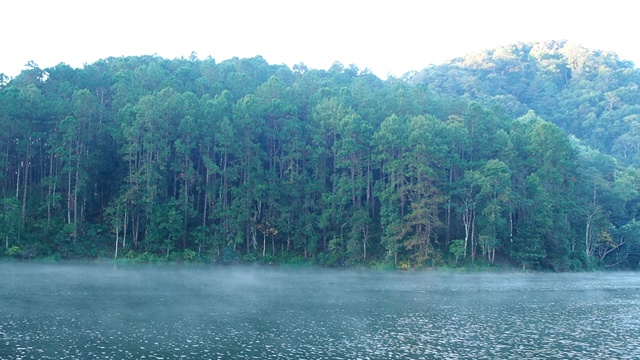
<point x="189" y="255"/>
<point x="457" y="249"/>
<point x="14" y="251"/>
<point x="9" y="221"/>
<point x="190" y="160"/>
<point x="229" y="256"/>
<point x="328" y="260"/>
<point x="143" y="257"/>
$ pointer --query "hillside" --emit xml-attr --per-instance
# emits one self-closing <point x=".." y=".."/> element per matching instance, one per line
<point x="592" y="95"/>
<point x="149" y="159"/>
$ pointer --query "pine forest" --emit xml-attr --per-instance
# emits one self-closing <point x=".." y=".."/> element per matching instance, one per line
<point x="525" y="156"/>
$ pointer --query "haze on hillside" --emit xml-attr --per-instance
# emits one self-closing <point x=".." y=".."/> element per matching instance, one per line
<point x="386" y="37"/>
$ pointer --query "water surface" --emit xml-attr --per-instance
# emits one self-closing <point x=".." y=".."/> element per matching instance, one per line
<point x="64" y="311"/>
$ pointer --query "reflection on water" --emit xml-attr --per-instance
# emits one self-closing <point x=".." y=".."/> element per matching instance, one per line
<point x="82" y="312"/>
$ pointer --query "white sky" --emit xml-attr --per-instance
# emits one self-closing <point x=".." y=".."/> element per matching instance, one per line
<point x="388" y="37"/>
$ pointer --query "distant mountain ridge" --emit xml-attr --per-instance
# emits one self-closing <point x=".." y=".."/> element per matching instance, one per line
<point x="589" y="93"/>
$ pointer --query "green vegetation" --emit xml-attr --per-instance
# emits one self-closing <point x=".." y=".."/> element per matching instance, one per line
<point x="522" y="156"/>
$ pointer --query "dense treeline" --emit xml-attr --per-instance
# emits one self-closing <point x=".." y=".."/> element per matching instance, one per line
<point x="144" y="157"/>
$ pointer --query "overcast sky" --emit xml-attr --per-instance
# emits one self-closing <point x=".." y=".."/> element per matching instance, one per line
<point x="388" y="37"/>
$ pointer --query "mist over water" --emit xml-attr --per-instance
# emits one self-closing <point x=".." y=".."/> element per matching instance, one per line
<point x="64" y="311"/>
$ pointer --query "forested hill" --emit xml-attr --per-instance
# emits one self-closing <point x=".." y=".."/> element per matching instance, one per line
<point x="187" y="159"/>
<point x="592" y="95"/>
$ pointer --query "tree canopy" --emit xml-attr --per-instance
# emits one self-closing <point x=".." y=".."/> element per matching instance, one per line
<point x="520" y="156"/>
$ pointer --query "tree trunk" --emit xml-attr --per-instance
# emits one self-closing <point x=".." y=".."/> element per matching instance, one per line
<point x="273" y="245"/>
<point x="75" y="202"/>
<point x="365" y="235"/>
<point x="117" y="238"/>
<point x="135" y="223"/>
<point x="25" y="183"/>
<point x="186" y="214"/>
<point x="247" y="237"/>
<point x="205" y="205"/>
<point x="49" y="195"/>
<point x="124" y="231"/>
<point x="264" y="244"/>
<point x="467" y="218"/>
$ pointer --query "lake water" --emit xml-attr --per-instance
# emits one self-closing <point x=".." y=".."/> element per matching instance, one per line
<point x="64" y="311"/>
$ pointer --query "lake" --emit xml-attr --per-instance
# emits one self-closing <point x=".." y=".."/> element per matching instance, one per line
<point x="66" y="311"/>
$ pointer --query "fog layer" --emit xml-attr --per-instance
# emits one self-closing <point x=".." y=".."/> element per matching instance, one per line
<point x="88" y="311"/>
